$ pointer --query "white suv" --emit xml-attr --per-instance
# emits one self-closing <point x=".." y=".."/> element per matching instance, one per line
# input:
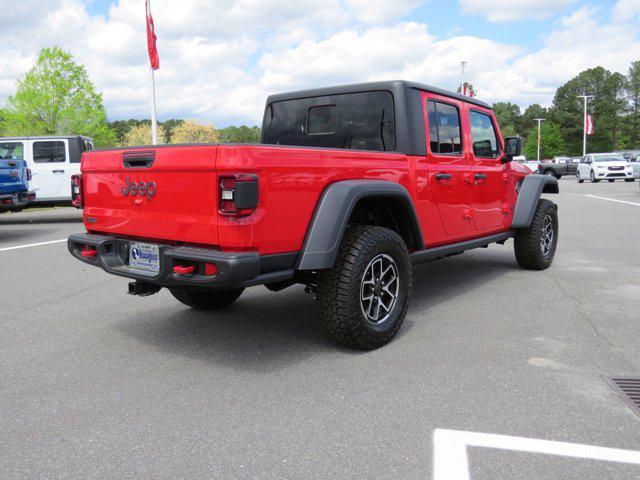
<point x="604" y="166"/>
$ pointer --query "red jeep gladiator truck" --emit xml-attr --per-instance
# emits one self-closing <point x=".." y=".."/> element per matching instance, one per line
<point x="350" y="187"/>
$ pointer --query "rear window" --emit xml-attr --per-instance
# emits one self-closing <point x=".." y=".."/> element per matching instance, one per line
<point x="361" y="121"/>
<point x="48" y="152"/>
<point x="11" y="151"/>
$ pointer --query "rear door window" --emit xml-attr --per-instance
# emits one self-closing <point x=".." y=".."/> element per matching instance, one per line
<point x="444" y="128"/>
<point x="49" y="152"/>
<point x="483" y="135"/>
<point x="362" y="121"/>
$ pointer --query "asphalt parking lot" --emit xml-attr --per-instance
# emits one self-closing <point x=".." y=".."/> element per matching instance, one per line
<point x="99" y="384"/>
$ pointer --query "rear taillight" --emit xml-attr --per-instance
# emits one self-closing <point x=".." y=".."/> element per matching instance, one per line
<point x="77" y="193"/>
<point x="238" y="194"/>
<point x="29" y="174"/>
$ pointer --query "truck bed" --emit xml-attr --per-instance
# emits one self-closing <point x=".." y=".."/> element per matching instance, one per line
<point x="184" y="208"/>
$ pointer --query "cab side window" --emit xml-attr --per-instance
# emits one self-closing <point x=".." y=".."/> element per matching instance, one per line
<point x="49" y="152"/>
<point x="483" y="135"/>
<point x="444" y="128"/>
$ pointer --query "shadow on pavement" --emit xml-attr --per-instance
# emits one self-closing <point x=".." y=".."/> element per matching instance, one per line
<point x="267" y="331"/>
<point x="41" y="217"/>
<point x="14" y="235"/>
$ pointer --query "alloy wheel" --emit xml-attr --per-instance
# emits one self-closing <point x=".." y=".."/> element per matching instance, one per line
<point x="379" y="289"/>
<point x="546" y="236"/>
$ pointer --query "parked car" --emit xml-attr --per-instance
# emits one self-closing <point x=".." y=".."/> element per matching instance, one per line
<point x="627" y="154"/>
<point x="14" y="178"/>
<point x="351" y="186"/>
<point x="52" y="160"/>
<point x="532" y="165"/>
<point x="634" y="160"/>
<point x="604" y="166"/>
<point x="559" y="166"/>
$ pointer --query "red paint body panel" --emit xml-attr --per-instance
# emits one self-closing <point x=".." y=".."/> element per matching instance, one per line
<point x="184" y="207"/>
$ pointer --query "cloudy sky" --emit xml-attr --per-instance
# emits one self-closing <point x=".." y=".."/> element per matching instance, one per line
<point x="221" y="58"/>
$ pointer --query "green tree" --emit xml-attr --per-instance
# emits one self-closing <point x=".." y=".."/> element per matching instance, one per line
<point x="528" y="119"/>
<point x="170" y="125"/>
<point x="242" y="134"/>
<point x="141" y="135"/>
<point x="632" y="87"/>
<point x="551" y="142"/>
<point x="508" y="115"/>
<point x="56" y="97"/>
<point x="606" y="108"/>
<point x="190" y="131"/>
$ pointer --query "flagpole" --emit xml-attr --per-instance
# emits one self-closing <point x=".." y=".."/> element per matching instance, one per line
<point x="539" y="120"/>
<point x="153" y="62"/>
<point x="154" y="120"/>
<point x="584" y="123"/>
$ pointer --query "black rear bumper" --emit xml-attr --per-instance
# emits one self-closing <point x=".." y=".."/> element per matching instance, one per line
<point x="9" y="201"/>
<point x="234" y="269"/>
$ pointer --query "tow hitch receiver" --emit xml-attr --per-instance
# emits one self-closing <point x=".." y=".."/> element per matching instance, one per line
<point x="143" y="289"/>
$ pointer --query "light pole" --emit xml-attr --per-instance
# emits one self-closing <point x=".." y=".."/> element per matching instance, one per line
<point x="462" y="65"/>
<point x="539" y="120"/>
<point x="584" y="123"/>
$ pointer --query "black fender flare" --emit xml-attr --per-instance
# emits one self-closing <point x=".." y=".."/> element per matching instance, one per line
<point x="531" y="188"/>
<point x="332" y="213"/>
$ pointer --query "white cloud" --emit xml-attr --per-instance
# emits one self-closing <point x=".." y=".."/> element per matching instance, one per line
<point x="508" y="10"/>
<point x="381" y="11"/>
<point x="219" y="63"/>
<point x="625" y="10"/>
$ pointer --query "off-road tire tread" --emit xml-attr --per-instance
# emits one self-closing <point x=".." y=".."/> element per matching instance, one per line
<point x="338" y="288"/>
<point x="527" y="241"/>
<point x="202" y="298"/>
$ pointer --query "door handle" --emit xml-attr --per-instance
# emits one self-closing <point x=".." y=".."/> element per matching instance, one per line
<point x="443" y="176"/>
<point x="58" y="171"/>
<point x="480" y="176"/>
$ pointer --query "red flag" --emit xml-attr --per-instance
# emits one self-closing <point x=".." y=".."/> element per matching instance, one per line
<point x="589" y="126"/>
<point x="151" y="39"/>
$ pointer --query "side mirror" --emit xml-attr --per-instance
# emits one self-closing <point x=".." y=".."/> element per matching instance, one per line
<point x="512" y="148"/>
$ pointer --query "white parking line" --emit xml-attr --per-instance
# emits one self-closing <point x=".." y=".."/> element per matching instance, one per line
<point x="32" y="245"/>
<point x="450" y="451"/>
<point x="613" y="200"/>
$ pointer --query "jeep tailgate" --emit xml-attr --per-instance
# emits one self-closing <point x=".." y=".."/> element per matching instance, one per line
<point x="166" y="194"/>
<point x="13" y="176"/>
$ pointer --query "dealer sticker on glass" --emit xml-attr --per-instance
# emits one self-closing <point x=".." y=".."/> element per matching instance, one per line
<point x="144" y="257"/>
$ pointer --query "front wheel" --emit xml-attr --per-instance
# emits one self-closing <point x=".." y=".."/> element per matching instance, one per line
<point x="535" y="246"/>
<point x="202" y="298"/>
<point x="363" y="298"/>
<point x="592" y="177"/>
<point x="629" y="180"/>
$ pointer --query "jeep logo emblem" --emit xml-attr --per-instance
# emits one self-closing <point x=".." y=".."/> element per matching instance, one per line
<point x="143" y="189"/>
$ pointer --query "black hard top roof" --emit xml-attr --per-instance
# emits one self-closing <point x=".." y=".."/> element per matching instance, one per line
<point x="391" y="85"/>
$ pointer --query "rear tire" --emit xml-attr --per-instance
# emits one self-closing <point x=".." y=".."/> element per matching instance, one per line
<point x="203" y="298"/>
<point x="611" y="181"/>
<point x="363" y="298"/>
<point x="535" y="246"/>
<point x="580" y="180"/>
<point x="629" y="180"/>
